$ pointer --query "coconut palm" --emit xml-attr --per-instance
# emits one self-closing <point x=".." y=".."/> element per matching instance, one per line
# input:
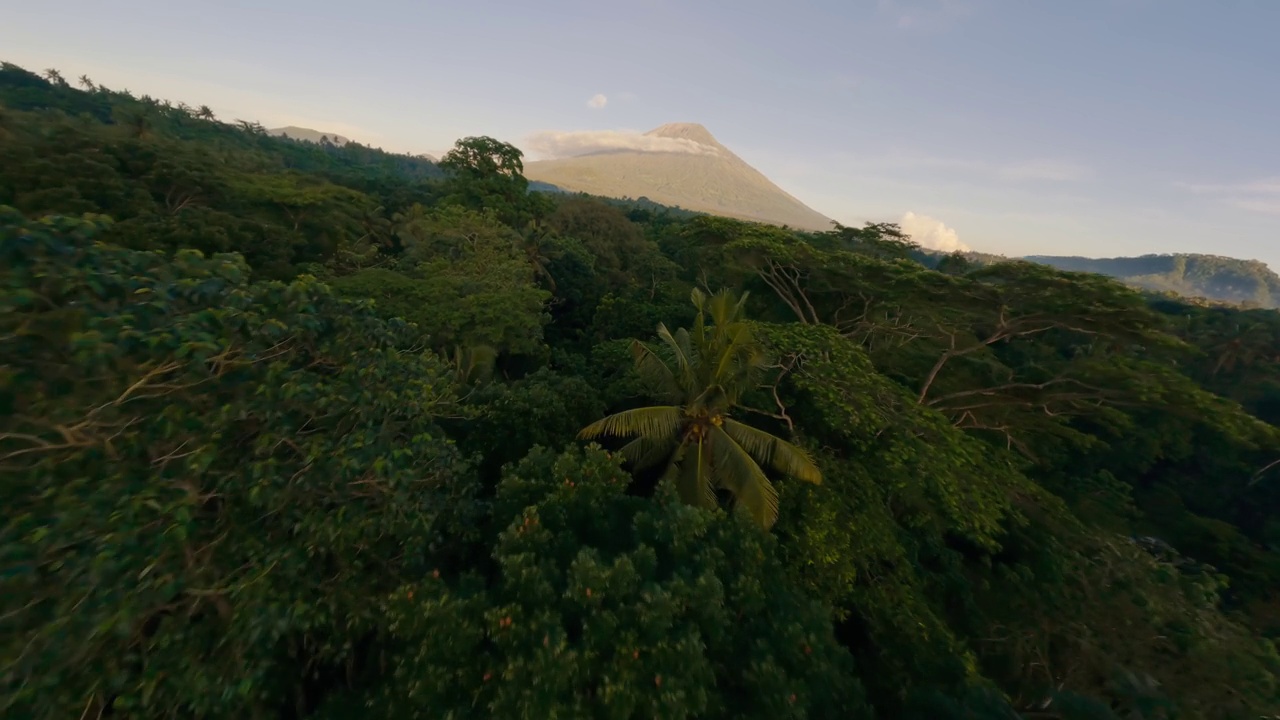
<point x="702" y="374"/>
<point x="534" y="246"/>
<point x="204" y="113"/>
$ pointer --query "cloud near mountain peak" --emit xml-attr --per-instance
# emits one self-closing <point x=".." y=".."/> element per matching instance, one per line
<point x="553" y="144"/>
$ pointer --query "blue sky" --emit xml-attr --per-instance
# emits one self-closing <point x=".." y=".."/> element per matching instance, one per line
<point x="1090" y="127"/>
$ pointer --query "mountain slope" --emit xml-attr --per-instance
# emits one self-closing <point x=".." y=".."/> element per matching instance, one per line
<point x="1209" y="276"/>
<point x="309" y="135"/>
<point x="692" y="171"/>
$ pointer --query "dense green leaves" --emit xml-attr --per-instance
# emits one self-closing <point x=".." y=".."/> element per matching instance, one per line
<point x="205" y="479"/>
<point x="287" y="430"/>
<point x="606" y="605"/>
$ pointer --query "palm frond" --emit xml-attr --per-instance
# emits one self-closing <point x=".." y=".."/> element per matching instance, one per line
<point x="774" y="452"/>
<point x="699" y="299"/>
<point x="656" y="421"/>
<point x="682" y="350"/>
<point x="695" y="472"/>
<point x="739" y="358"/>
<point x="713" y="400"/>
<point x="741" y="307"/>
<point x="655" y="372"/>
<point x="645" y="452"/>
<point x="725" y="307"/>
<point x="738" y="473"/>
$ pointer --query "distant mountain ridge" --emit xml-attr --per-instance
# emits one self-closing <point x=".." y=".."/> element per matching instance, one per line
<point x="694" y="172"/>
<point x="309" y="135"/>
<point x="1213" y="277"/>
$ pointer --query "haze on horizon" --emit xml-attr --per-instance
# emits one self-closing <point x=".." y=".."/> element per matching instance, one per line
<point x="1097" y="128"/>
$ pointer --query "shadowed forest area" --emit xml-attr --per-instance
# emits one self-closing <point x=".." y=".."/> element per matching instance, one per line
<point x="293" y="430"/>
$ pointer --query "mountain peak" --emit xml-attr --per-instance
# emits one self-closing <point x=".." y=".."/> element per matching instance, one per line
<point x="681" y="165"/>
<point x="685" y="131"/>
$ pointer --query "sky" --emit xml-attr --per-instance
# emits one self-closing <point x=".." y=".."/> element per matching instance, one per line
<point x="1090" y="127"/>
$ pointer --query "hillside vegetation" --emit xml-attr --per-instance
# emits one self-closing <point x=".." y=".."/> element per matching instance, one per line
<point x="1223" y="279"/>
<point x="294" y="431"/>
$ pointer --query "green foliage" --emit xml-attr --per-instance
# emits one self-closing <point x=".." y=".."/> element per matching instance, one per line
<point x="206" y="480"/>
<point x="1131" y="622"/>
<point x="487" y="174"/>
<point x="273" y="419"/>
<point x="541" y="409"/>
<point x="606" y="605"/>
<point x="463" y="280"/>
<point x="190" y="181"/>
<point x="702" y="374"/>
<point x="623" y="254"/>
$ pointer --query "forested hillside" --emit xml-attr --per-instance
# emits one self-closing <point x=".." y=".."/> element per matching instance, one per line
<point x="1246" y="282"/>
<point x="303" y="431"/>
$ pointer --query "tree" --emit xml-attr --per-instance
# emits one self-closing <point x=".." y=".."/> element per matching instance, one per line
<point x="86" y="83"/>
<point x="621" y="250"/>
<point x="136" y="121"/>
<point x="704" y="375"/>
<point x="484" y="157"/>
<point x="251" y="127"/>
<point x="463" y="279"/>
<point x="881" y="240"/>
<point x="253" y="485"/>
<point x="488" y="174"/>
<point x="606" y="605"/>
<point x="55" y="77"/>
<point x="1006" y="349"/>
<point x="205" y="113"/>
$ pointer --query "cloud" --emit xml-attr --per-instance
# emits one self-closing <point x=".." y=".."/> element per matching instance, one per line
<point x="552" y="144"/>
<point x="597" y="101"/>
<point x="1259" y="196"/>
<point x="931" y="233"/>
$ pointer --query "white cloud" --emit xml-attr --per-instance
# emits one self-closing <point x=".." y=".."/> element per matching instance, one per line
<point x="552" y="144"/>
<point x="931" y="233"/>
<point x="597" y="101"/>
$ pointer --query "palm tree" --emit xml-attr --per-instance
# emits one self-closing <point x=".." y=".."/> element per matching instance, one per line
<point x="54" y="77"/>
<point x="702" y="374"/>
<point x="204" y="113"/>
<point x="86" y="83"/>
<point x="473" y="363"/>
<point x="137" y="121"/>
<point x="534" y="246"/>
